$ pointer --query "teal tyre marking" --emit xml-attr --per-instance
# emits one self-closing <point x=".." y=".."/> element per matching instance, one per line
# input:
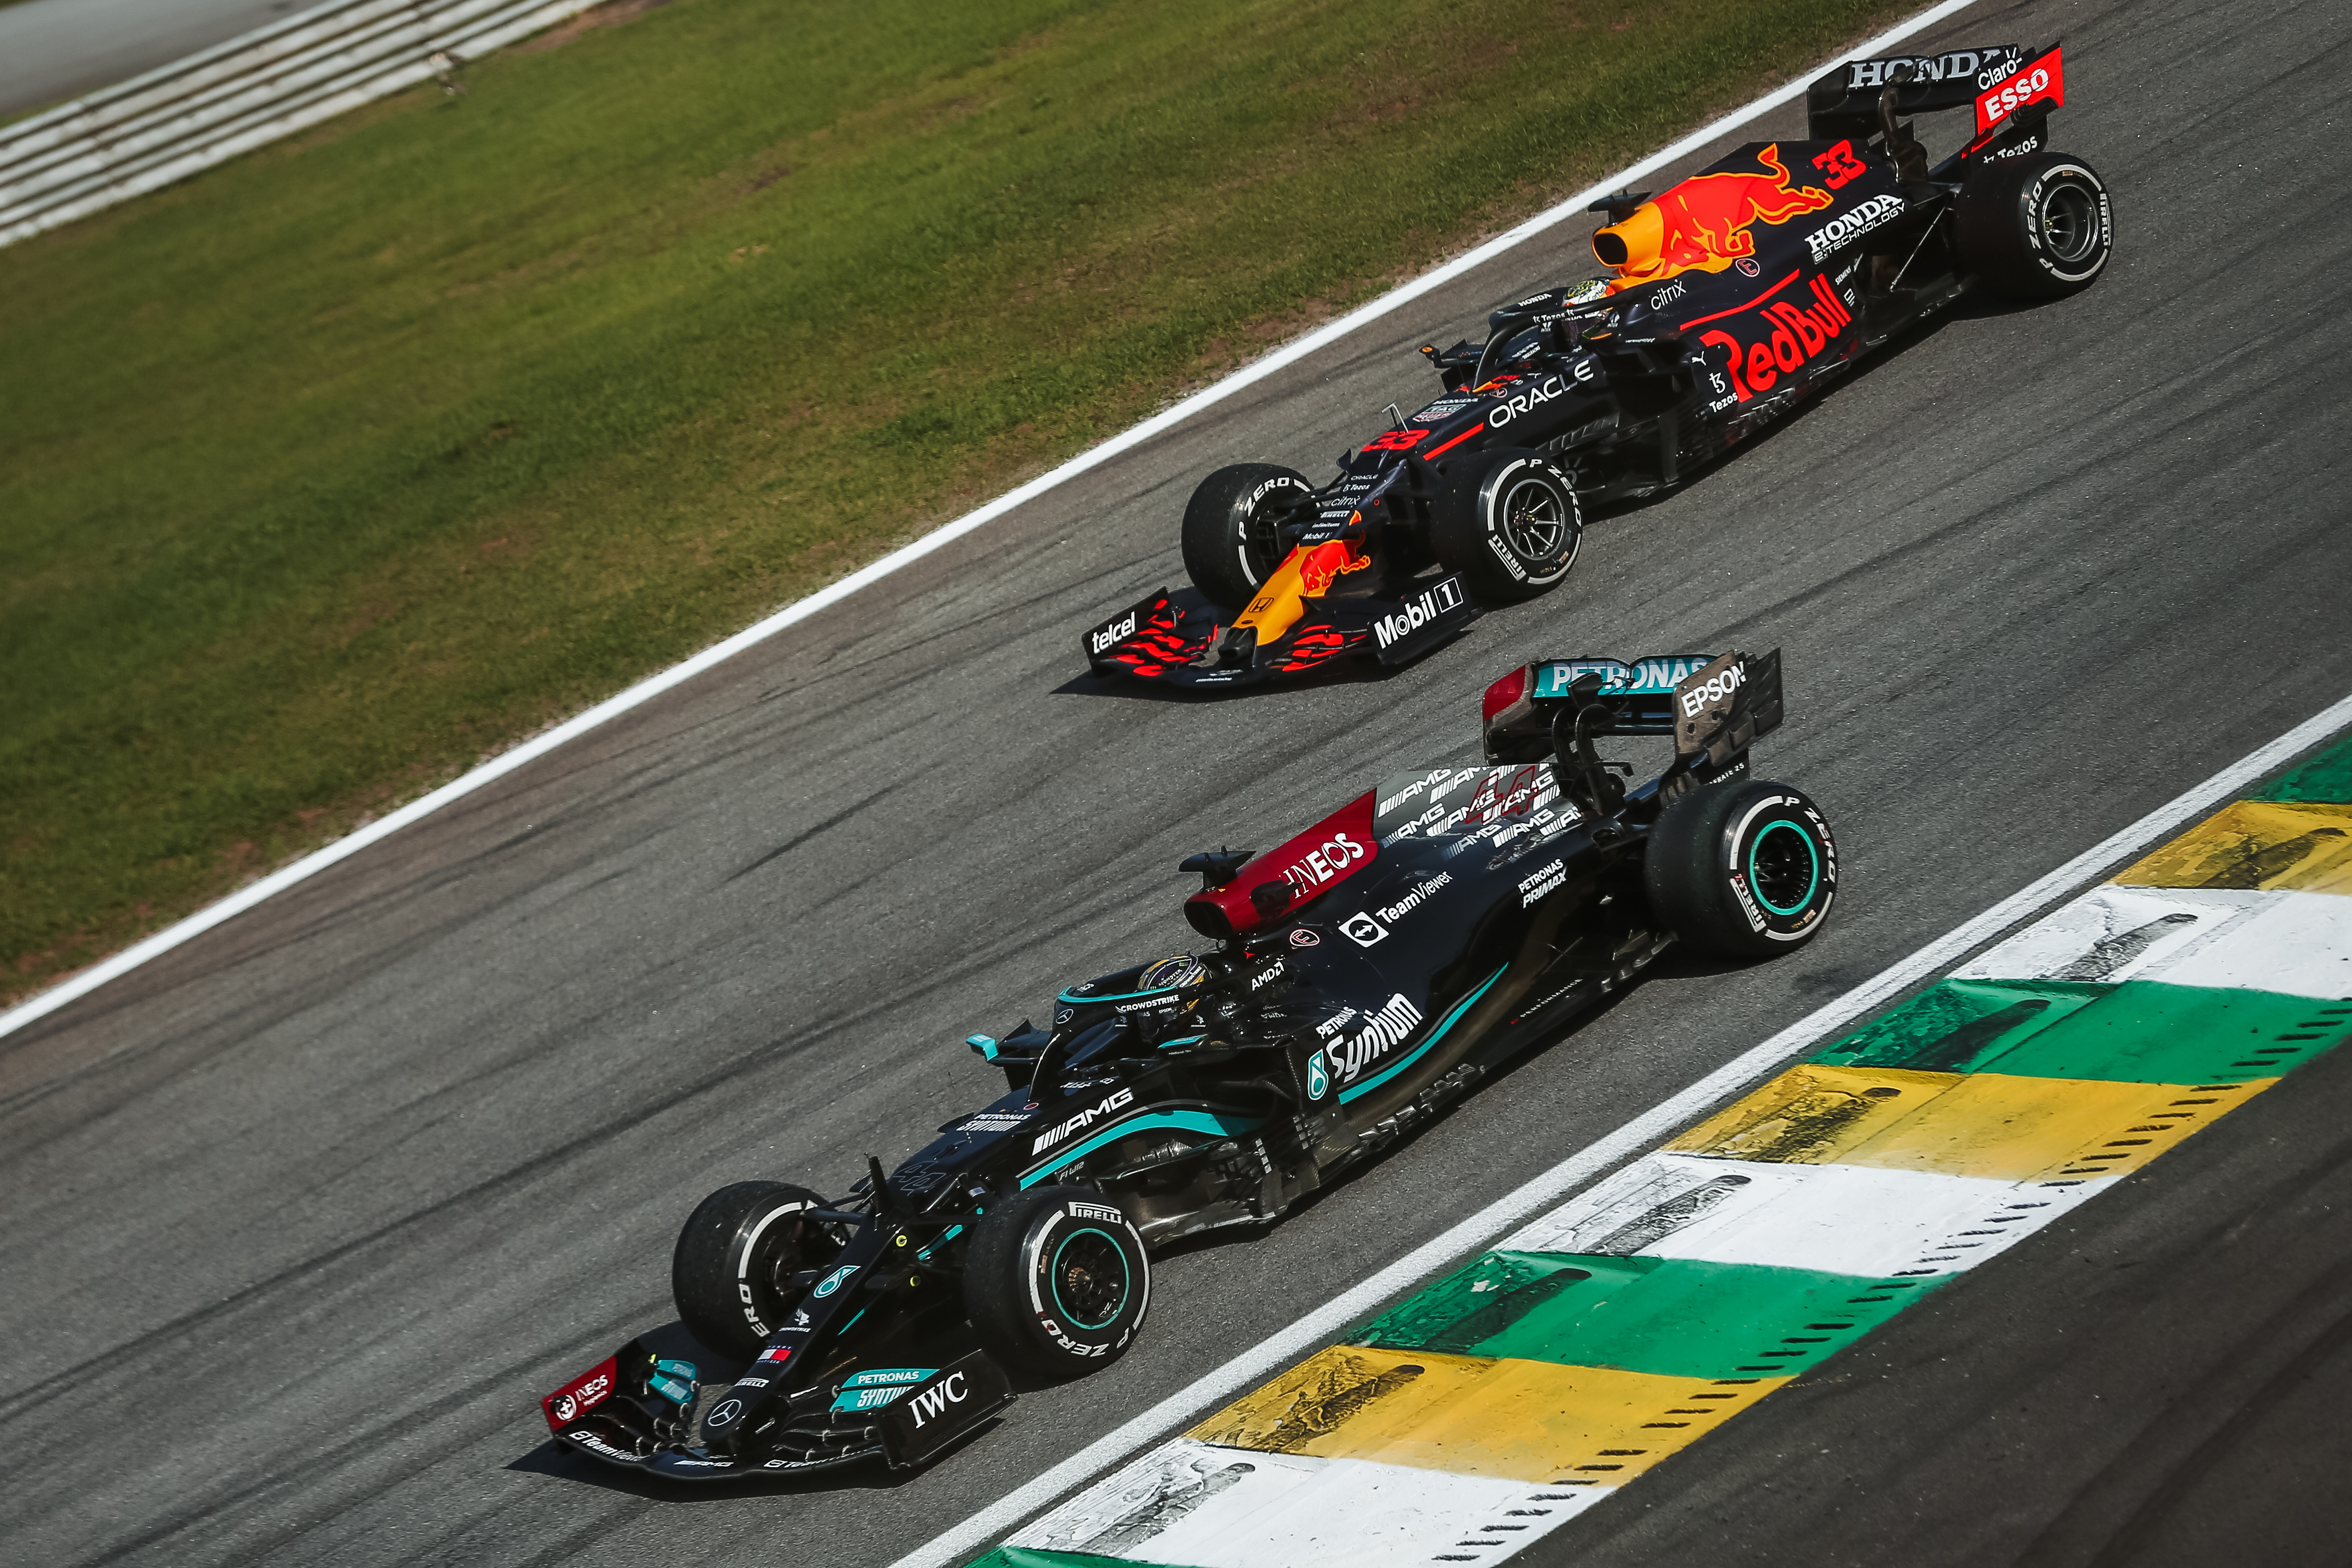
<point x="1102" y="1245"/>
<point x="1813" y="859"/>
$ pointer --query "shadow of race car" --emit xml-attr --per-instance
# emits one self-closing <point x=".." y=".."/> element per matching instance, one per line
<point x="1365" y="975"/>
<point x="1730" y="298"/>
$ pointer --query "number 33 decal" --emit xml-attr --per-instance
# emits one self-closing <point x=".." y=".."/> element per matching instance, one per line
<point x="1838" y="165"/>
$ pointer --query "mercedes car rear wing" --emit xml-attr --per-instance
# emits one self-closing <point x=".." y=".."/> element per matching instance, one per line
<point x="1713" y="705"/>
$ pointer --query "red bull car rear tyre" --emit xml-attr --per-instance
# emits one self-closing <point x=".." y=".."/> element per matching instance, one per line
<point x="731" y="1275"/>
<point x="1230" y="528"/>
<point x="2038" y="228"/>
<point x="1057" y="1283"/>
<point x="1746" y="870"/>
<point x="1511" y="526"/>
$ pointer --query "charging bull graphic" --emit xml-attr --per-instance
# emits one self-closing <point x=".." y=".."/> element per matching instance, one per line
<point x="1702" y="224"/>
<point x="1324" y="564"/>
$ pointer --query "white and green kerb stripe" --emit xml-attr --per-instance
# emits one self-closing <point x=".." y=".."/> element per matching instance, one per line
<point x="1620" y="1328"/>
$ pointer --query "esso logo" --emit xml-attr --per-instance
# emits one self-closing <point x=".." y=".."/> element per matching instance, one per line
<point x="2017" y="94"/>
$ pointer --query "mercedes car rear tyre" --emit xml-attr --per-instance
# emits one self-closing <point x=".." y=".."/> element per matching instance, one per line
<point x="1747" y="870"/>
<point x="1230" y="525"/>
<point x="2036" y="227"/>
<point x="731" y="1274"/>
<point x="1055" y="1283"/>
<point x="1509" y="525"/>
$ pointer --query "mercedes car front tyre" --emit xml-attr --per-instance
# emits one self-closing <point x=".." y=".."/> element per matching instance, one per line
<point x="1055" y="1283"/>
<point x="731" y="1273"/>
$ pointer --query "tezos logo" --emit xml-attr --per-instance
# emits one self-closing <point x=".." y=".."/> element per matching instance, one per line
<point x="1363" y="930"/>
<point x="1111" y="636"/>
<point x="831" y="1283"/>
<point x="1318" y="1084"/>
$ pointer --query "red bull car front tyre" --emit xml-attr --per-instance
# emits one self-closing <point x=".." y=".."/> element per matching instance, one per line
<point x="1230" y="538"/>
<point x="2037" y="227"/>
<point x="1510" y="526"/>
<point x="1057" y="1283"/>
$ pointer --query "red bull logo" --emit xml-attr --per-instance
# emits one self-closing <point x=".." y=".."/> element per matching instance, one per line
<point x="1701" y="225"/>
<point x="1324" y="564"/>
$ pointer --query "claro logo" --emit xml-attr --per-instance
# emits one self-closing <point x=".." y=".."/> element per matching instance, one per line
<point x="1084" y="1119"/>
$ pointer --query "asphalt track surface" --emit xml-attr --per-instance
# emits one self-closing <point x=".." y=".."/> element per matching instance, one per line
<point x="51" y="50"/>
<point x="301" y="1217"/>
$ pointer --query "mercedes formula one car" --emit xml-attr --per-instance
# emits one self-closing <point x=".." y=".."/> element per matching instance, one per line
<point x="1730" y="299"/>
<point x="1364" y="975"/>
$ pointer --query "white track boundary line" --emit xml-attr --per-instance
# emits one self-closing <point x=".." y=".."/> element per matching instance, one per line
<point x="644" y="692"/>
<point x="1636" y="1137"/>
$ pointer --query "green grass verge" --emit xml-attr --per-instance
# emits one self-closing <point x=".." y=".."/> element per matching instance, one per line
<point x="331" y="470"/>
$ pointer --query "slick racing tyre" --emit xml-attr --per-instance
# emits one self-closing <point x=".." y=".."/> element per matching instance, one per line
<point x="1229" y="543"/>
<point x="731" y="1274"/>
<point x="2036" y="227"/>
<point x="1747" y="870"/>
<point x="1510" y="525"/>
<point x="1055" y="1283"/>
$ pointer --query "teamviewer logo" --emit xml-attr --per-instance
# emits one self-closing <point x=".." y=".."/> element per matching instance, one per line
<point x="1362" y="930"/>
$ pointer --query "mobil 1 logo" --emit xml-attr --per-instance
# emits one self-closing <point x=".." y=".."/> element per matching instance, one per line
<point x="1428" y="615"/>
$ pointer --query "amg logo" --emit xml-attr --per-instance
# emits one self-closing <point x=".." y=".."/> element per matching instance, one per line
<point x="1878" y="210"/>
<point x="1084" y="1119"/>
<point x="1111" y="636"/>
<point x="1382" y="1033"/>
<point x="1419" y="611"/>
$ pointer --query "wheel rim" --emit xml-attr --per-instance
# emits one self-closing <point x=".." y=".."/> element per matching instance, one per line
<point x="1261" y="539"/>
<point x="2069" y="223"/>
<point x="1534" y="519"/>
<point x="1784" y="869"/>
<point x="1090" y="1279"/>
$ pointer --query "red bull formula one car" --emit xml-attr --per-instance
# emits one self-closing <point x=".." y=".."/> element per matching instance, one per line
<point x="1365" y="975"/>
<point x="1729" y="298"/>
